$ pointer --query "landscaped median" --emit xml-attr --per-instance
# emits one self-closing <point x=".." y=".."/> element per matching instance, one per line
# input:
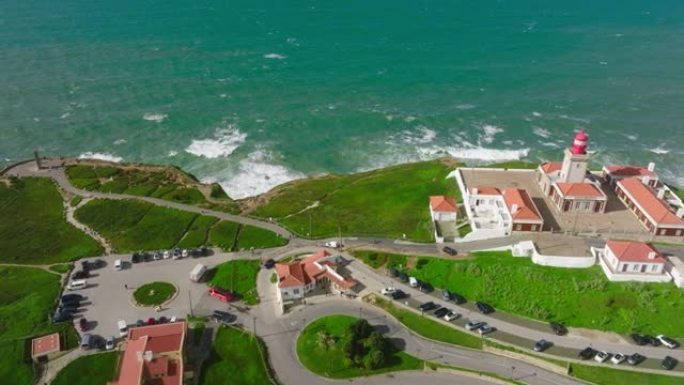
<point x="239" y="277"/>
<point x="154" y="294"/>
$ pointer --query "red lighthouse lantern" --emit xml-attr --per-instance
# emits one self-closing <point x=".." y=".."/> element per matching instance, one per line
<point x="579" y="145"/>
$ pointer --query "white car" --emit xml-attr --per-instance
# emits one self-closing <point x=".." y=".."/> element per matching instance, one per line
<point x="450" y="316"/>
<point x="413" y="281"/>
<point x="333" y="244"/>
<point x="618" y="359"/>
<point x="667" y="341"/>
<point x="602" y="356"/>
<point x="173" y="319"/>
<point x="387" y="291"/>
<point x="184" y="253"/>
<point x="167" y="255"/>
<point x="118" y="265"/>
<point x="123" y="328"/>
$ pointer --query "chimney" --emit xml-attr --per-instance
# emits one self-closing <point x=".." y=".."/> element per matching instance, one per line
<point x="652" y="255"/>
<point x="474" y="190"/>
<point x="139" y="355"/>
<point x="661" y="193"/>
<point x="680" y="212"/>
<point x="646" y="180"/>
<point x="514" y="208"/>
<point x="651" y="167"/>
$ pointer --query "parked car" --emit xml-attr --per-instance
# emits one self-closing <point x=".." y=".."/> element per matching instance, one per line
<point x="222" y="295"/>
<point x="176" y="253"/>
<point x="62" y="316"/>
<point x="618" y="358"/>
<point x="441" y="312"/>
<point x="667" y="341"/>
<point x="269" y="263"/>
<point x="425" y="287"/>
<point x="146" y="257"/>
<point x="157" y="256"/>
<point x="587" y="353"/>
<point x="151" y="321"/>
<point x="451" y="315"/>
<point x="70" y="307"/>
<point x="394" y="273"/>
<point x="413" y="282"/>
<point x="70" y="302"/>
<point x="639" y="339"/>
<point x="669" y="363"/>
<point x="558" y="328"/>
<point x="446" y="295"/>
<point x="135" y="258"/>
<point x="398" y="294"/>
<point x="87" y="341"/>
<point x="123" y="328"/>
<point x="81" y="274"/>
<point x="403" y="277"/>
<point x="427" y="306"/>
<point x="473" y="325"/>
<point x="653" y="341"/>
<point x="224" y="317"/>
<point x="387" y="291"/>
<point x="635" y="359"/>
<point x="92" y="265"/>
<point x="83" y="324"/>
<point x="140" y="323"/>
<point x="484" y="308"/>
<point x="601" y="356"/>
<point x="162" y="320"/>
<point x="184" y="253"/>
<point x="457" y="298"/>
<point x="205" y="251"/>
<point x="449" y="250"/>
<point x="77" y="284"/>
<point x="118" y="265"/>
<point x="109" y="343"/>
<point x="166" y="254"/>
<point x="71" y="297"/>
<point x="485" y="329"/>
<point x="542" y="345"/>
<point x="333" y="244"/>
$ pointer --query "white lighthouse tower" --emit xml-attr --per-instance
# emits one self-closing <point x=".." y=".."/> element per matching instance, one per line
<point x="575" y="162"/>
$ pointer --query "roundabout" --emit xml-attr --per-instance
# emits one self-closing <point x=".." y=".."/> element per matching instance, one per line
<point x="154" y="293"/>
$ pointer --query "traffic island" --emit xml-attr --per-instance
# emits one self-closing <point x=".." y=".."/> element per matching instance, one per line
<point x="154" y="294"/>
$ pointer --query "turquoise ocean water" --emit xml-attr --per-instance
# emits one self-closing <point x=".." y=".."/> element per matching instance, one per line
<point x="255" y="93"/>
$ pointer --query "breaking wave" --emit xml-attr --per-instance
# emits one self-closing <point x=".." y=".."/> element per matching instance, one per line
<point x="225" y="141"/>
<point x="101" y="156"/>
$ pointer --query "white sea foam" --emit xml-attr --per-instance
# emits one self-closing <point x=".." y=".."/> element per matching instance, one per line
<point x="100" y="156"/>
<point x="422" y="135"/>
<point x="632" y="137"/>
<point x="489" y="132"/>
<point x="537" y="114"/>
<point x="551" y="144"/>
<point x="155" y="117"/>
<point x="119" y="141"/>
<point x="487" y="154"/>
<point x="276" y="56"/>
<point x="172" y="153"/>
<point x="544" y="133"/>
<point x="257" y="174"/>
<point x="659" y="150"/>
<point x="225" y="141"/>
<point x="65" y="115"/>
<point x="409" y="119"/>
<point x="222" y="96"/>
<point x="465" y="106"/>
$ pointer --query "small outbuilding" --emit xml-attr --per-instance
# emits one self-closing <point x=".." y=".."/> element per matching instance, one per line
<point x="46" y="346"/>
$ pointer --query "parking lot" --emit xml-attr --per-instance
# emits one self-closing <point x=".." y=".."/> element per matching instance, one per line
<point x="109" y="294"/>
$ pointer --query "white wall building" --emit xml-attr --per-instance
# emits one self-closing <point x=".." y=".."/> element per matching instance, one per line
<point x="632" y="261"/>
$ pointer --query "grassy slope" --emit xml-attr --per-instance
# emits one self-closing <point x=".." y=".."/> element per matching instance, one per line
<point x="376" y="259"/>
<point x="331" y="362"/>
<point x="238" y="276"/>
<point x="608" y="376"/>
<point x="100" y="369"/>
<point x="579" y="297"/>
<point x="133" y="225"/>
<point x="223" y="235"/>
<point x="198" y="233"/>
<point x="388" y="202"/>
<point x="33" y="229"/>
<point x="258" y="238"/>
<point x="235" y="360"/>
<point x="27" y="296"/>
<point x="429" y="328"/>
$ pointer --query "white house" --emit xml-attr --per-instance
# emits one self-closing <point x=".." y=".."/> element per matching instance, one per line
<point x="443" y="208"/>
<point x="675" y="267"/>
<point x="632" y="261"/>
<point x="300" y="277"/>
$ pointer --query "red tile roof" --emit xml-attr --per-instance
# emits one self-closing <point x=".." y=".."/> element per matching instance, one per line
<point x="580" y="190"/>
<point x="311" y="269"/>
<point x="526" y="209"/>
<point x="627" y="251"/>
<point x="649" y="202"/>
<point x="485" y="190"/>
<point x="549" y="167"/>
<point x="45" y="345"/>
<point x="164" y="342"/>
<point x="443" y="203"/>
<point x="627" y="171"/>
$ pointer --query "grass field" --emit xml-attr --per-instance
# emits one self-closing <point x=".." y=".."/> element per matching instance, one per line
<point x="61" y="268"/>
<point x="258" y="238"/>
<point x="154" y="293"/>
<point x="607" y="376"/>
<point x="33" y="229"/>
<point x="578" y="297"/>
<point x="133" y="225"/>
<point x="27" y="297"/>
<point x="329" y="361"/>
<point x="389" y="202"/>
<point x="100" y="369"/>
<point x="376" y="259"/>
<point x="198" y="233"/>
<point x="429" y="328"/>
<point x="223" y="235"/>
<point x="236" y="360"/>
<point x="238" y="276"/>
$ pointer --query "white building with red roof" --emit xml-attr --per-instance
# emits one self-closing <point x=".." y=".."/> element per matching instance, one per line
<point x="569" y="184"/>
<point x="319" y="270"/>
<point x="659" y="211"/>
<point x="153" y="355"/>
<point x="614" y="173"/>
<point x="632" y="261"/>
<point x="498" y="212"/>
<point x="443" y="208"/>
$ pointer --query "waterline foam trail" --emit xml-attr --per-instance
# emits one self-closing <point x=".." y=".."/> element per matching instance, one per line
<point x="225" y="142"/>
<point x="101" y="156"/>
<point x="155" y="117"/>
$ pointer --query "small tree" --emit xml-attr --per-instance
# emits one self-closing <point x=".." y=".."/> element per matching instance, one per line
<point x="360" y="329"/>
<point x="376" y="342"/>
<point x="374" y="359"/>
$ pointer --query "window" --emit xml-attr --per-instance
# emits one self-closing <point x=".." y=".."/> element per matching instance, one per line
<point x="518" y="227"/>
<point x="635" y="267"/>
<point x="654" y="268"/>
<point x="534" y="227"/>
<point x="295" y="291"/>
<point x="679" y="232"/>
<point x="663" y="232"/>
<point x="624" y="268"/>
